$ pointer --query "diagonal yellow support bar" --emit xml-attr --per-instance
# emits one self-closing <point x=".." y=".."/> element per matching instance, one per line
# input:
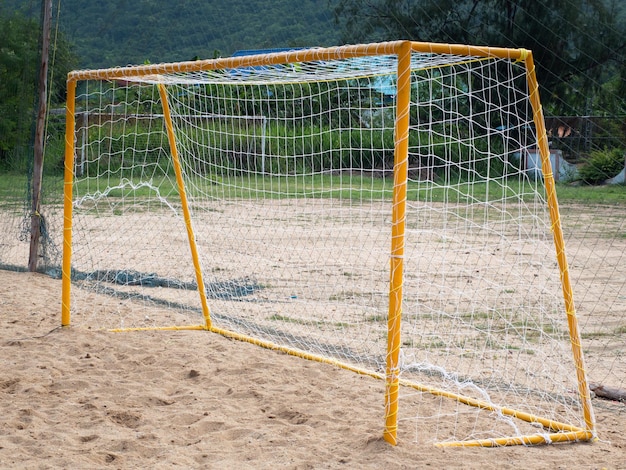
<point x="559" y="243"/>
<point x="185" y="206"/>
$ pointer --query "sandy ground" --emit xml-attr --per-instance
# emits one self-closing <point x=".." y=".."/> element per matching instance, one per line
<point x="81" y="399"/>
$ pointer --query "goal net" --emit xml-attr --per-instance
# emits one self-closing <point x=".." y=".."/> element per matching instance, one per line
<point x="367" y="206"/>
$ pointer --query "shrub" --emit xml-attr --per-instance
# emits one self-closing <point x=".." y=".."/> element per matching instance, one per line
<point x="602" y="165"/>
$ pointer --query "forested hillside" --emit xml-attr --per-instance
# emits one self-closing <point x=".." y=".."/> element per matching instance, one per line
<point x="120" y="32"/>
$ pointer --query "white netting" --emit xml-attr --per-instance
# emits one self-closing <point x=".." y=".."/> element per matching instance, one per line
<point x="288" y="169"/>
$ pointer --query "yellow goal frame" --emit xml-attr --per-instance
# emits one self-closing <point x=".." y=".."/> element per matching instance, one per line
<point x="402" y="49"/>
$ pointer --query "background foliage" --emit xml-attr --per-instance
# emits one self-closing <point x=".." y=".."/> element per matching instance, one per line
<point x="19" y="70"/>
<point x="121" y="32"/>
<point x="579" y="46"/>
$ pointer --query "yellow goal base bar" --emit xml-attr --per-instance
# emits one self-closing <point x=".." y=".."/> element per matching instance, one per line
<point x="560" y="432"/>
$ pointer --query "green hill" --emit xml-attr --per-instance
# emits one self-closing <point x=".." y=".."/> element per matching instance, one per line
<point x="121" y="32"/>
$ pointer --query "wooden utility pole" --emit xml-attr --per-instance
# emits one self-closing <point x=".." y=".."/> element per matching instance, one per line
<point x="35" y="214"/>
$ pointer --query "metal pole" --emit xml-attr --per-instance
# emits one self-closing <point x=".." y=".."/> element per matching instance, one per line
<point x="68" y="182"/>
<point x="559" y="243"/>
<point x="185" y="205"/>
<point x="398" y="217"/>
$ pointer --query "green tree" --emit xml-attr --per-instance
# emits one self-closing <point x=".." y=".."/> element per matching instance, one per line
<point x="19" y="63"/>
<point x="18" y="72"/>
<point x="578" y="45"/>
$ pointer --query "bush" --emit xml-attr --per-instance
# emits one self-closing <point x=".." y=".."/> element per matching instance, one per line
<point x="602" y="165"/>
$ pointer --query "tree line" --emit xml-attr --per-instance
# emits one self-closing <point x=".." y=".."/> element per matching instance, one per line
<point x="19" y="67"/>
<point x="579" y="45"/>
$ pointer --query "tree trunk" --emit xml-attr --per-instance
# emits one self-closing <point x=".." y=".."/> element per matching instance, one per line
<point x="35" y="214"/>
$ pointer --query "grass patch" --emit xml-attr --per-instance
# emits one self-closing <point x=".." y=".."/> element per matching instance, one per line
<point x="595" y="334"/>
<point x="376" y="318"/>
<point x="299" y="321"/>
<point x="123" y="188"/>
<point x="353" y="187"/>
<point x="11" y="183"/>
<point x="347" y="295"/>
<point x="286" y="319"/>
<point x="475" y="316"/>
<point x="593" y="195"/>
<point x="15" y="191"/>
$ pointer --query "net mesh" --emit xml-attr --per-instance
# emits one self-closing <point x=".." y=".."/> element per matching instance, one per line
<point x="288" y="170"/>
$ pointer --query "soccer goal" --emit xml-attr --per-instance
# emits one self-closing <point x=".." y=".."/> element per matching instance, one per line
<point x="366" y="206"/>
